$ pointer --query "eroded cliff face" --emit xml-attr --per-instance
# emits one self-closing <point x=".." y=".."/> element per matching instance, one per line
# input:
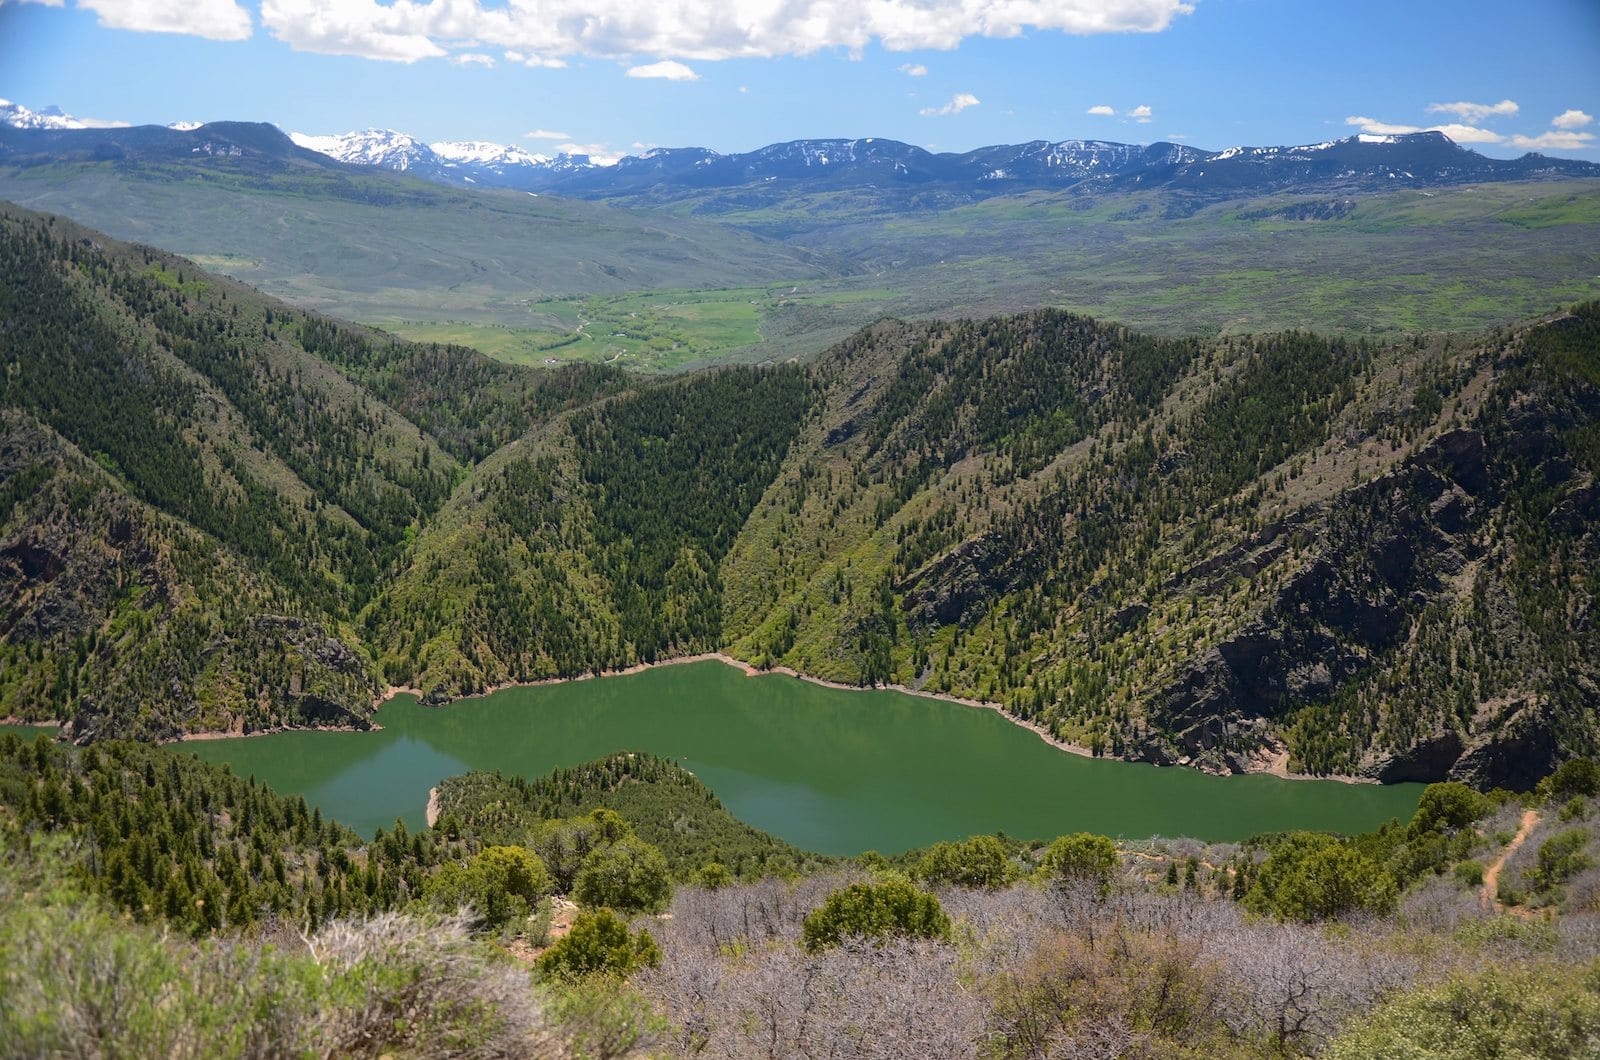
<point x="1442" y="625"/>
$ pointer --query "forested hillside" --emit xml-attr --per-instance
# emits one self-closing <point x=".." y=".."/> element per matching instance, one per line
<point x="1278" y="551"/>
<point x="1371" y="560"/>
<point x="203" y="487"/>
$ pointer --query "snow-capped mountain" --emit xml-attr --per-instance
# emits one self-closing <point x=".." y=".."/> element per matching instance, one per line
<point x="884" y="169"/>
<point x="19" y="117"/>
<point x="483" y="153"/>
<point x="372" y="147"/>
<point x="475" y="162"/>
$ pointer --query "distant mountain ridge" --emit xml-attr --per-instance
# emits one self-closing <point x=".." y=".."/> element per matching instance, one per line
<point x="1414" y="159"/>
<point x="1362" y="162"/>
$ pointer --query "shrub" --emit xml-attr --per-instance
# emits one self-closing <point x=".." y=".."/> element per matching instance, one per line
<point x="1450" y="805"/>
<point x="1082" y="857"/>
<point x="501" y="885"/>
<point x="599" y="942"/>
<point x="1580" y="776"/>
<point x="891" y="907"/>
<point x="1313" y="876"/>
<point x="979" y="862"/>
<point x="630" y="874"/>
<point x="1521" y="1012"/>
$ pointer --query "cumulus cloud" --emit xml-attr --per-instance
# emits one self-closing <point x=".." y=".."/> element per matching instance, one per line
<point x="1572" y="119"/>
<point x="1468" y="134"/>
<point x="599" y="154"/>
<point x="535" y="60"/>
<point x="1554" y="140"/>
<point x="473" y="59"/>
<point x="213" y="19"/>
<point x="408" y="30"/>
<point x="547" y="134"/>
<point x="354" y="27"/>
<point x="1475" y="112"/>
<point x="1103" y="111"/>
<point x="1142" y="114"/>
<point x="666" y="70"/>
<point x="958" y="103"/>
<point x="1461" y="134"/>
<point x="913" y="69"/>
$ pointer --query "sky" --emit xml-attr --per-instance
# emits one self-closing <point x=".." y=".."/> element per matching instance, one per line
<point x="612" y="77"/>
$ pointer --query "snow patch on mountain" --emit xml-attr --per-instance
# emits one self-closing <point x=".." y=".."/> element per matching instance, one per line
<point x="370" y="147"/>
<point x="20" y="117"/>
<point x="484" y="153"/>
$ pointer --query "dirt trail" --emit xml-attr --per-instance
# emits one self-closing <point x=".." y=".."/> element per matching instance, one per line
<point x="1489" y="896"/>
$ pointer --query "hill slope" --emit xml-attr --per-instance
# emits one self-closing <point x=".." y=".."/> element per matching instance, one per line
<point x="202" y="486"/>
<point x="1247" y="553"/>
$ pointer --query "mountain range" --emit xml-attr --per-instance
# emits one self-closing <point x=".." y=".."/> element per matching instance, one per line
<point x="1423" y="159"/>
<point x="1361" y="162"/>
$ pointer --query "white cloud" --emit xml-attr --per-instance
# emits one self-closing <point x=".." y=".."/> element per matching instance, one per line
<point x="473" y="59"/>
<point x="1103" y="111"/>
<point x="353" y="27"/>
<point x="547" y="134"/>
<point x="1554" y="140"/>
<point x="408" y="30"/>
<point x="534" y="60"/>
<point x="1571" y="119"/>
<point x="744" y="90"/>
<point x="1461" y="134"/>
<point x="1381" y="128"/>
<point x="1475" y="112"/>
<point x="599" y="154"/>
<point x="1142" y="114"/>
<point x="213" y="19"/>
<point x="913" y="69"/>
<point x="1468" y="134"/>
<point x="666" y="70"/>
<point x="958" y="103"/>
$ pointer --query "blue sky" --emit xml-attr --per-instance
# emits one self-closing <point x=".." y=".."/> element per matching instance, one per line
<point x="617" y="76"/>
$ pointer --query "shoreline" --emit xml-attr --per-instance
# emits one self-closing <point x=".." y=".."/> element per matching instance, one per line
<point x="1276" y="765"/>
<point x="431" y="814"/>
<point x="216" y="734"/>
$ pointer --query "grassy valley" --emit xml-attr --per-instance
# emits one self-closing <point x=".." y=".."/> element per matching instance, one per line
<point x="737" y="275"/>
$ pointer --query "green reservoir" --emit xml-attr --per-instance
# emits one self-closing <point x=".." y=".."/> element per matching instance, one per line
<point x="831" y="770"/>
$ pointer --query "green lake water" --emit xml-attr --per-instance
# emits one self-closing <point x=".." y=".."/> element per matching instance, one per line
<point x="831" y="770"/>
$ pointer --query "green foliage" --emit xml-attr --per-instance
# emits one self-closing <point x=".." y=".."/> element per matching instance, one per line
<point x="981" y="861"/>
<point x="889" y="907"/>
<point x="1313" y="876"/>
<point x="500" y="884"/>
<point x="1531" y="1011"/>
<point x="1576" y="777"/>
<point x="665" y="804"/>
<point x="628" y="874"/>
<point x="76" y="979"/>
<point x="713" y="876"/>
<point x="1449" y="805"/>
<point x="1081" y="858"/>
<point x="169" y="839"/>
<point x="1560" y="857"/>
<point x="599" y="943"/>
